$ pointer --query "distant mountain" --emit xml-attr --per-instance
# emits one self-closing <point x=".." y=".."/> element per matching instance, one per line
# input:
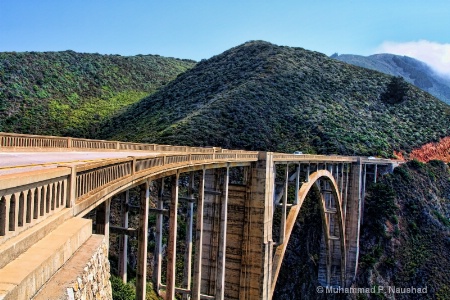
<point x="260" y="96"/>
<point x="412" y="70"/>
<point x="69" y="93"/>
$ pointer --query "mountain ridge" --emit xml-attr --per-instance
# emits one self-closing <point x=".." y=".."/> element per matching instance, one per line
<point x="260" y="96"/>
<point x="412" y="70"/>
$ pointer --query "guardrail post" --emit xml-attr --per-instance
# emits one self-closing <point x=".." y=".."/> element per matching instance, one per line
<point x="133" y="165"/>
<point x="72" y="187"/>
<point x="117" y="145"/>
<point x="69" y="142"/>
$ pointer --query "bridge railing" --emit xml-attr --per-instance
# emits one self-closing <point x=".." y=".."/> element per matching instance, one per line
<point x="14" y="140"/>
<point x="91" y="177"/>
<point x="10" y="141"/>
<point x="29" y="198"/>
<point x="312" y="157"/>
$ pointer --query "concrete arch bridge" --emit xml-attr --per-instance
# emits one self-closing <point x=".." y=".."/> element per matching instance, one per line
<point x="238" y="210"/>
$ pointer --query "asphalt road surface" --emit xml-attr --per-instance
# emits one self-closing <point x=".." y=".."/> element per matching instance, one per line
<point x="16" y="162"/>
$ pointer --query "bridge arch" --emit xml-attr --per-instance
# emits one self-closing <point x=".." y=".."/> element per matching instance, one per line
<point x="333" y="244"/>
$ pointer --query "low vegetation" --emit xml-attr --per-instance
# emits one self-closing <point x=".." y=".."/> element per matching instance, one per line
<point x="69" y="93"/>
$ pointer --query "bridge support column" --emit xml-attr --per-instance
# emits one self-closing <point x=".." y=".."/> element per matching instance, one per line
<point x="102" y="219"/>
<point x="123" y="242"/>
<point x="256" y="264"/>
<point x="196" y="288"/>
<point x="141" y="276"/>
<point x="187" y="272"/>
<point x="352" y="220"/>
<point x="158" y="242"/>
<point x="220" y="290"/>
<point x="172" y="243"/>
<point x="297" y="184"/>
<point x="284" y="206"/>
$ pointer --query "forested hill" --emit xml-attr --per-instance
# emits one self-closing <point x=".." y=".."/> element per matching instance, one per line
<point x="260" y="96"/>
<point x="69" y="93"/>
<point x="412" y="70"/>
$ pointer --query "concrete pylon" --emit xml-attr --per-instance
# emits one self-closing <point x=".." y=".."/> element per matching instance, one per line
<point x="141" y="274"/>
<point x="353" y="220"/>
<point x="256" y="265"/>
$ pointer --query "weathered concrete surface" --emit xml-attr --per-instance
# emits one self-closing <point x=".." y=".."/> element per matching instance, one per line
<point x="17" y="245"/>
<point x="85" y="276"/>
<point x="256" y="264"/>
<point x="236" y="207"/>
<point x="24" y="276"/>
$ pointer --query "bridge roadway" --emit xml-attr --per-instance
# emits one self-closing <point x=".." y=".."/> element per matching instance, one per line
<point x="47" y="182"/>
<point x="16" y="162"/>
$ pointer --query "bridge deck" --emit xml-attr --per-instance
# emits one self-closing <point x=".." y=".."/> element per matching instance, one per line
<point x="16" y="162"/>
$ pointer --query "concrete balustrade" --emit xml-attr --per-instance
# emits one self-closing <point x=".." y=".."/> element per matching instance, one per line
<point x="31" y="141"/>
<point x="92" y="144"/>
<point x="10" y="141"/>
<point x="27" y="199"/>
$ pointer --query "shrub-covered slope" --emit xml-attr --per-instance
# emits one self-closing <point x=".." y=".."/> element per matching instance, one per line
<point x="412" y="70"/>
<point x="261" y="96"/>
<point x="68" y="93"/>
<point x="405" y="237"/>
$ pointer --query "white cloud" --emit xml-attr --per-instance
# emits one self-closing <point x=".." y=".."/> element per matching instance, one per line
<point x="436" y="55"/>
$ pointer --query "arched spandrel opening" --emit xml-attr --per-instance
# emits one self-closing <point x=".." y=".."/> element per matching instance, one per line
<point x="304" y="254"/>
<point x="2" y="216"/>
<point x="29" y="206"/>
<point x="20" y="215"/>
<point x="12" y="213"/>
<point x="330" y="261"/>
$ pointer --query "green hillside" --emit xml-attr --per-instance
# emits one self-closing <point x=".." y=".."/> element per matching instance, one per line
<point x="259" y="96"/>
<point x="69" y="93"/>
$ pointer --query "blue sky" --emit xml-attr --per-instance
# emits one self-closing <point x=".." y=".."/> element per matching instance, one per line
<point x="198" y="29"/>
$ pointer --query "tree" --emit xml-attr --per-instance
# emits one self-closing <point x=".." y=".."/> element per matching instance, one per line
<point x="396" y="90"/>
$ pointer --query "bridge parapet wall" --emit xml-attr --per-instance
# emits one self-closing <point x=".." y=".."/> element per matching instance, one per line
<point x="27" y="199"/>
<point x="16" y="141"/>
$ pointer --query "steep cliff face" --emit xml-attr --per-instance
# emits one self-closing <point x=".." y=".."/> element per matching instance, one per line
<point x="405" y="237"/>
